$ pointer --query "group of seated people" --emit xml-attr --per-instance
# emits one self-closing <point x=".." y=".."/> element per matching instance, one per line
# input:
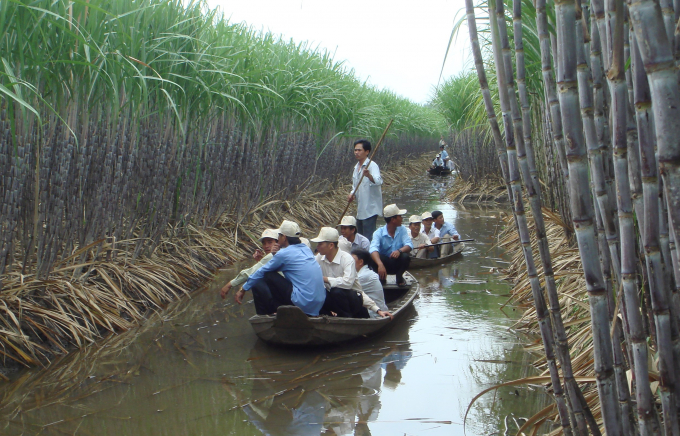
<point x="344" y="278"/>
<point x="428" y="230"/>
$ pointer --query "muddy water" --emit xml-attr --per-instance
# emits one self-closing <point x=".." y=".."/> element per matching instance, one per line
<point x="198" y="369"/>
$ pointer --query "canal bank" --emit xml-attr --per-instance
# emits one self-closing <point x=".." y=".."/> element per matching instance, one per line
<point x="197" y="367"/>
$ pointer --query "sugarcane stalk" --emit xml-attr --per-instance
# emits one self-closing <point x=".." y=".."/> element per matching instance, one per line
<point x="518" y="205"/>
<point x="582" y="213"/>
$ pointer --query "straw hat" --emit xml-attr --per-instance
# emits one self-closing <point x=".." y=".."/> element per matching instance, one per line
<point x="327" y="234"/>
<point x="270" y="233"/>
<point x="392" y="210"/>
<point x="348" y="221"/>
<point x="415" y="219"/>
<point x="426" y="216"/>
<point x="289" y="229"/>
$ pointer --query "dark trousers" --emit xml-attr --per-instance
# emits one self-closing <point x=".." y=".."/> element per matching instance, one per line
<point x="367" y="227"/>
<point x="345" y="302"/>
<point x="396" y="266"/>
<point x="270" y="292"/>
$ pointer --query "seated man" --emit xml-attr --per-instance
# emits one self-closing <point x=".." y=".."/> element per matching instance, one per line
<point x="446" y="232"/>
<point x="344" y="297"/>
<point x="350" y="238"/>
<point x="270" y="245"/>
<point x="431" y="231"/>
<point x="369" y="281"/>
<point x="437" y="162"/>
<point x="302" y="285"/>
<point x="420" y="241"/>
<point x="391" y="245"/>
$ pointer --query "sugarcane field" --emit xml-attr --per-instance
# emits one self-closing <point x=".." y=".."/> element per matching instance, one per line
<point x="279" y="217"/>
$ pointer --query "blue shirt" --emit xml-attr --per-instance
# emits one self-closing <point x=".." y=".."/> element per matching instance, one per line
<point x="444" y="155"/>
<point x="300" y="267"/>
<point x="447" y="229"/>
<point x="384" y="244"/>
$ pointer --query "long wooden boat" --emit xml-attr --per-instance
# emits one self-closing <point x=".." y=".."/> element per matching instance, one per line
<point x="292" y="327"/>
<point x="439" y="171"/>
<point x="424" y="263"/>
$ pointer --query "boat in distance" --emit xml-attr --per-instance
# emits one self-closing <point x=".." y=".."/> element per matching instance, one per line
<point x="290" y="326"/>
<point x="424" y="263"/>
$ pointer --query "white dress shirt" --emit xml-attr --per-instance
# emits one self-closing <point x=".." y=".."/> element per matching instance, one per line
<point x="368" y="194"/>
<point x="340" y="271"/>
<point x="433" y="233"/>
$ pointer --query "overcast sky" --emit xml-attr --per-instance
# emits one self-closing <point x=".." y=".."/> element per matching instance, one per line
<point x="398" y="45"/>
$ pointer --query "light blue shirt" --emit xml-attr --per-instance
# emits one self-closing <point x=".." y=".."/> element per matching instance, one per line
<point x="447" y="229"/>
<point x="368" y="194"/>
<point x="384" y="244"/>
<point x="300" y="267"/>
<point x="444" y="155"/>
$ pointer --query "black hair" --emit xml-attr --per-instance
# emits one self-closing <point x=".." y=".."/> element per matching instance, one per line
<point x="388" y="219"/>
<point x="364" y="256"/>
<point x="436" y="214"/>
<point x="293" y="240"/>
<point x="364" y="143"/>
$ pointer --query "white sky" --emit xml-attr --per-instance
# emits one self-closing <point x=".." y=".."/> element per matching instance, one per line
<point x="398" y="45"/>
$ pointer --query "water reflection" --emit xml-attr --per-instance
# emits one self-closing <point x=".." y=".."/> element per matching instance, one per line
<point x="197" y="368"/>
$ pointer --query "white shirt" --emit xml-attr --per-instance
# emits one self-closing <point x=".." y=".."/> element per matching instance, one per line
<point x="368" y="194"/>
<point x="370" y="284"/>
<point x="433" y="233"/>
<point x="341" y="272"/>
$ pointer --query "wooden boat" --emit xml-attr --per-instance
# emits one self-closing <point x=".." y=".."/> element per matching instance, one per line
<point x="292" y="327"/>
<point x="439" y="171"/>
<point x="424" y="263"/>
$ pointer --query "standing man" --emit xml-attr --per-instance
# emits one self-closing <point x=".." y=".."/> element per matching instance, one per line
<point x="391" y="245"/>
<point x="302" y="285"/>
<point x="369" y="193"/>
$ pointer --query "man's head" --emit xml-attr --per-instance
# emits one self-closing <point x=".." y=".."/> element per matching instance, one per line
<point x="414" y="224"/>
<point x="438" y="217"/>
<point x="289" y="233"/>
<point x="348" y="227"/>
<point x="362" y="148"/>
<point x="442" y="146"/>
<point x="393" y="215"/>
<point x="361" y="258"/>
<point x="327" y="241"/>
<point x="427" y="219"/>
<point x="269" y="239"/>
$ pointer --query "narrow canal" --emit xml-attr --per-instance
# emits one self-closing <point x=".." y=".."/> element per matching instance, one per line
<point x="198" y="369"/>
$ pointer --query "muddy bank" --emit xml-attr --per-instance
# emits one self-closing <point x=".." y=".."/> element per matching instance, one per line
<point x="107" y="287"/>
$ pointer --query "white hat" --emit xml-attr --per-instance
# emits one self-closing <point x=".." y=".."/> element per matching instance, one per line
<point x="348" y="221"/>
<point x="289" y="229"/>
<point x="415" y="219"/>
<point x="306" y="242"/>
<point x="426" y="216"/>
<point x="392" y="210"/>
<point x="327" y="234"/>
<point x="269" y="233"/>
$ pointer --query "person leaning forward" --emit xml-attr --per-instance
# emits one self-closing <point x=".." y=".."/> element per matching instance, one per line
<point x="391" y="245"/>
<point x="270" y="245"/>
<point x="345" y="297"/>
<point x="302" y="285"/>
<point x="369" y="193"/>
